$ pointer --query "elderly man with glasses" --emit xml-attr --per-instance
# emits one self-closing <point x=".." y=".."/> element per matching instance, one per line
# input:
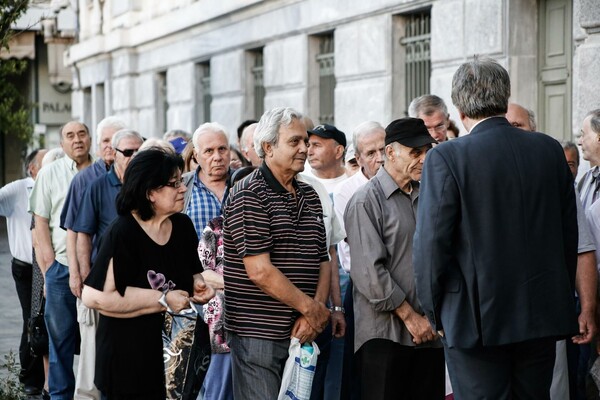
<point x="433" y="111"/>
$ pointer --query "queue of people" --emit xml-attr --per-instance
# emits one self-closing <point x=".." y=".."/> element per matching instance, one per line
<point x="424" y="266"/>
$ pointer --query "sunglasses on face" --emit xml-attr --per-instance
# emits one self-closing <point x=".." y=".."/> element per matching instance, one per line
<point x="127" y="152"/>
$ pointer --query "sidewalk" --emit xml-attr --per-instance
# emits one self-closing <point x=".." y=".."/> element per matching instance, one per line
<point x="10" y="310"/>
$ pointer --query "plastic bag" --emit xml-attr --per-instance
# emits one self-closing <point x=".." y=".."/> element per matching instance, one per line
<point x="186" y="352"/>
<point x="299" y="371"/>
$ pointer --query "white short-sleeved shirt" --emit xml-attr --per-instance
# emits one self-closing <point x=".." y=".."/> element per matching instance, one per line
<point x="333" y="225"/>
<point x="13" y="205"/>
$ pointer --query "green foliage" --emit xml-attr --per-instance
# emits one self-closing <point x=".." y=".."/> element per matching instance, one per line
<point x="14" y="113"/>
<point x="10" y="11"/>
<point x="10" y="387"/>
<point x="14" y="110"/>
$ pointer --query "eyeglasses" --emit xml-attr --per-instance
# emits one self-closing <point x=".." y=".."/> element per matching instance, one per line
<point x="441" y="128"/>
<point x="175" y="184"/>
<point x="127" y="152"/>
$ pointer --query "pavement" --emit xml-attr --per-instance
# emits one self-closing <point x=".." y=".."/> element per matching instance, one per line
<point x="10" y="309"/>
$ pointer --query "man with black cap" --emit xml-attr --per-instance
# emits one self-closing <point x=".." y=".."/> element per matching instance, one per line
<point x="398" y="355"/>
<point x="327" y="146"/>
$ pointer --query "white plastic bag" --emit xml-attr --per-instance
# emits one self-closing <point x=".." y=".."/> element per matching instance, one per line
<point x="299" y="371"/>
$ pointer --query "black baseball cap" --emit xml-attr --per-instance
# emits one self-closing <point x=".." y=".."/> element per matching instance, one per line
<point x="409" y="132"/>
<point x="329" y="132"/>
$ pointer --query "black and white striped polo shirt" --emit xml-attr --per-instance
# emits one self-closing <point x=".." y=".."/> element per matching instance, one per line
<point x="261" y="216"/>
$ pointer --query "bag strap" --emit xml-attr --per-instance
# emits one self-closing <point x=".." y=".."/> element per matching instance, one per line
<point x="42" y="309"/>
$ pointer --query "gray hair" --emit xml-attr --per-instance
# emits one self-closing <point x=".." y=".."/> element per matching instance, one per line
<point x="246" y="133"/>
<point x="207" y="127"/>
<point x="427" y="105"/>
<point x="568" y="145"/>
<point x="268" y="127"/>
<point x="175" y="133"/>
<point x="531" y="117"/>
<point x="109" y="123"/>
<point x="157" y="144"/>
<point x="52" y="155"/>
<point x="125" y="133"/>
<point x="481" y="88"/>
<point x="594" y="120"/>
<point x="363" y="129"/>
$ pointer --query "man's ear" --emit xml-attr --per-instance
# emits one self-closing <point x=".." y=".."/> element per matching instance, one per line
<point x="268" y="149"/>
<point x="339" y="151"/>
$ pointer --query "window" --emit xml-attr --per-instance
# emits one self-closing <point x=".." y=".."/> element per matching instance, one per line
<point x="326" y="62"/>
<point x="418" y="59"/>
<point x="417" y="56"/>
<point x="161" y="104"/>
<point x="203" y="94"/>
<point x="258" y="86"/>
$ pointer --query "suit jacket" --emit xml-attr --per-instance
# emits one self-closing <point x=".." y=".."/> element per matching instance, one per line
<point x="495" y="249"/>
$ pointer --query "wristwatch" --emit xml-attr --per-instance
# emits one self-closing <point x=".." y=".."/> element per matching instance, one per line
<point x="338" y="308"/>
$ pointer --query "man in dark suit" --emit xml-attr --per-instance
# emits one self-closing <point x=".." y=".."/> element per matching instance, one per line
<point x="495" y="248"/>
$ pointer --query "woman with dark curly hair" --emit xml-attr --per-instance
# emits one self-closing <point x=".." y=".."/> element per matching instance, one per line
<point x="146" y="262"/>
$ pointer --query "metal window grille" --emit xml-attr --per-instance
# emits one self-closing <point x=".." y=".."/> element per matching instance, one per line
<point x="326" y="61"/>
<point x="259" y="86"/>
<point x="206" y="94"/>
<point x="163" y="104"/>
<point x="417" y="41"/>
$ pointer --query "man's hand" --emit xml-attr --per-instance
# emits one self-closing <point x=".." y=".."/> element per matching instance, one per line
<point x="202" y="292"/>
<point x="418" y="326"/>
<point x="587" y="328"/>
<point x="76" y="285"/>
<point x="338" y="324"/>
<point x="303" y="331"/>
<point x="46" y="259"/>
<point x="317" y="316"/>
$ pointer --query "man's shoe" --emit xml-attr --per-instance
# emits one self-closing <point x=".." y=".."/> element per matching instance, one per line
<point x="31" y="390"/>
<point x="45" y="395"/>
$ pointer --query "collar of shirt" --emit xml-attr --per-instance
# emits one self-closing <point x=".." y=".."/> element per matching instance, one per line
<point x="198" y="182"/>
<point x="273" y="182"/>
<point x="71" y="164"/>
<point x="389" y="185"/>
<point x="112" y="177"/>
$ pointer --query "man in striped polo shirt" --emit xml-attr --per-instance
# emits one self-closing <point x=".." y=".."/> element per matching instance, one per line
<point x="276" y="264"/>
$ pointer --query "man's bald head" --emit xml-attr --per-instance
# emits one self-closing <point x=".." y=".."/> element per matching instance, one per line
<point x="520" y="117"/>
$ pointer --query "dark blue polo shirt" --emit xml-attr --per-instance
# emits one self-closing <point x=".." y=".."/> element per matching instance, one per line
<point x="78" y="185"/>
<point x="98" y="209"/>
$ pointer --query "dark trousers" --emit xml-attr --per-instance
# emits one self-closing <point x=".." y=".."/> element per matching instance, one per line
<point x="350" y="381"/>
<point x="324" y="343"/>
<point x="32" y="368"/>
<point x="513" y="371"/>
<point x="389" y="370"/>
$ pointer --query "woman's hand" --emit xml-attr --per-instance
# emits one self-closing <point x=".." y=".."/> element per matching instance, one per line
<point x="177" y="300"/>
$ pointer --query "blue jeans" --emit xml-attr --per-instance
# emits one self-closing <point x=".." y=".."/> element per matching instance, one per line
<point x="217" y="383"/>
<point x="61" y="321"/>
<point x="257" y="366"/>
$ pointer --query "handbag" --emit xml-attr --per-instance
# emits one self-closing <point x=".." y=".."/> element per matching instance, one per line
<point x="299" y="371"/>
<point x="186" y="352"/>
<point x="37" y="333"/>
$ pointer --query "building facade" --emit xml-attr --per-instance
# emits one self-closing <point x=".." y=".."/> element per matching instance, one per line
<point x="40" y="37"/>
<point x="173" y="65"/>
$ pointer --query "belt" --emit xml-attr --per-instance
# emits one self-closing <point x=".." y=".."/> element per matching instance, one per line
<point x="20" y="263"/>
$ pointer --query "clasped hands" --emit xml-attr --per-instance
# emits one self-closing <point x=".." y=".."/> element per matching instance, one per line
<point x="179" y="300"/>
